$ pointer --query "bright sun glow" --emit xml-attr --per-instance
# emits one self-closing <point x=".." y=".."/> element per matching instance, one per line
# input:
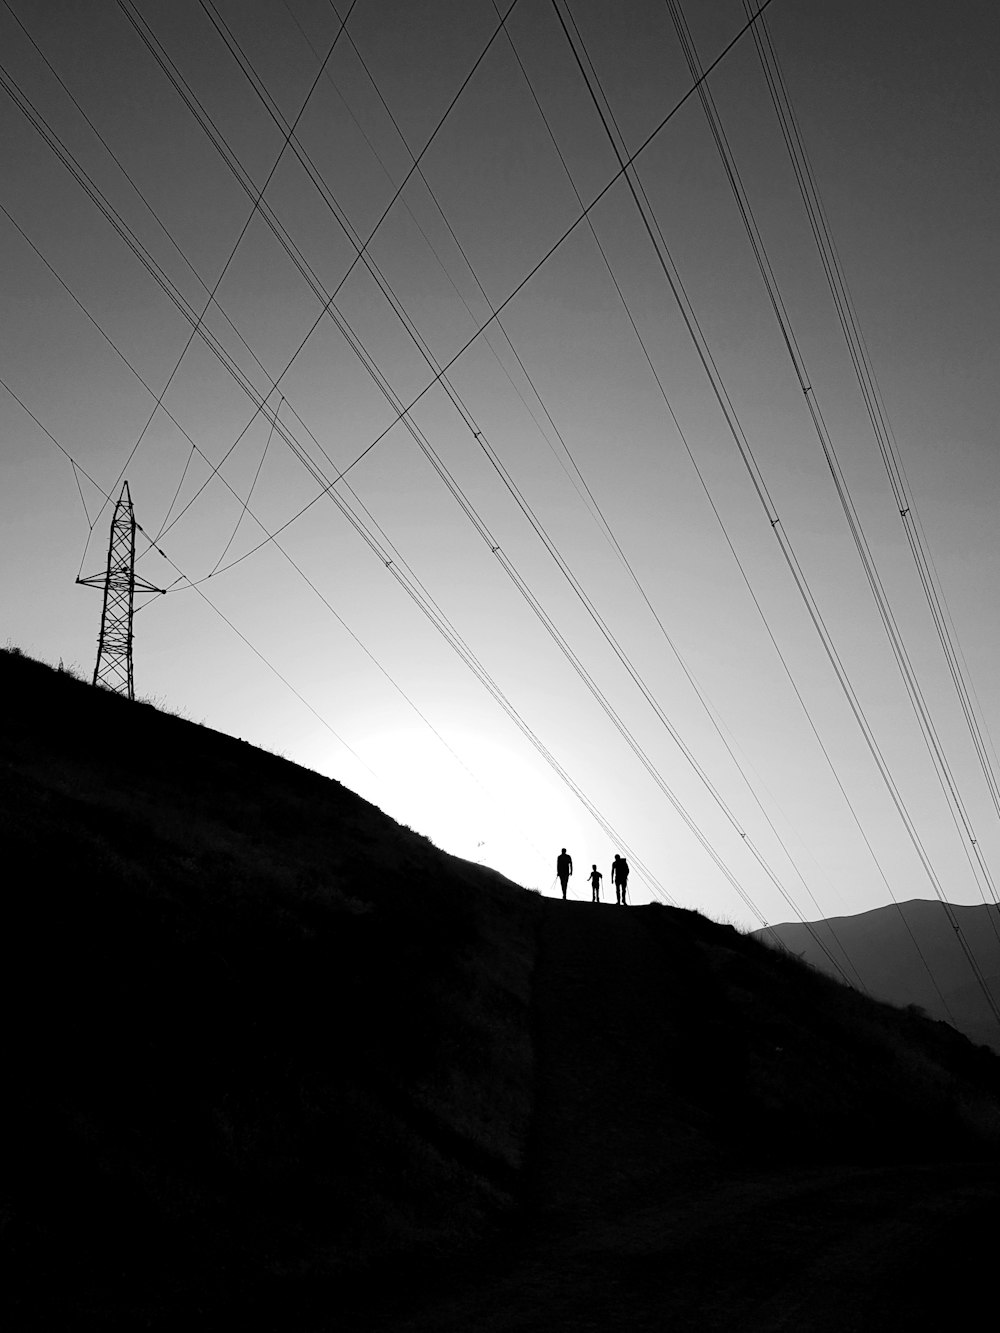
<point x="497" y="810"/>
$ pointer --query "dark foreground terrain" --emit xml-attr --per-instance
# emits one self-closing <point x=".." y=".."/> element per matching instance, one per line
<point x="272" y="1060"/>
<point x="679" y="1178"/>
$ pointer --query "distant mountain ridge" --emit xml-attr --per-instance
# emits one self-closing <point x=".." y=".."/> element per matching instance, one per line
<point x="889" y="947"/>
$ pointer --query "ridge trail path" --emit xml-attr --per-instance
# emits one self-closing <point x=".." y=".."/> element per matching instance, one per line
<point x="643" y="1209"/>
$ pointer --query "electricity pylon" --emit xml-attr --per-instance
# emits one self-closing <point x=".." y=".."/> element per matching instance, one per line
<point x="113" y="669"/>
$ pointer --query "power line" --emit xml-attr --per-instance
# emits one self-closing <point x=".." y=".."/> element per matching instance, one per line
<point x="249" y="495"/>
<point x="224" y="32"/>
<point x="596" y="507"/>
<point x="399" y="571"/>
<point x="268" y="102"/>
<point x="703" y="350"/>
<point x="232" y="254"/>
<point x="192" y="456"/>
<point x="198" y="329"/>
<point x="153" y="542"/>
<point x="24" y="104"/>
<point x="828" y="447"/>
<point x="391" y="561"/>
<point x="270" y="665"/>
<point x="575" y="478"/>
<point x="262" y="93"/>
<point x="119" y="164"/>
<point x="917" y="699"/>
<point x="272" y="427"/>
<point x="471" y="513"/>
<point x="498" y="310"/>
<point x="884" y="435"/>
<point x="616" y="546"/>
<point x="677" y="289"/>
<point x="232" y="162"/>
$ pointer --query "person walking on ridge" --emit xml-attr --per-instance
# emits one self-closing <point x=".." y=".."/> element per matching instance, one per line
<point x="595" y="878"/>
<point x="564" y="868"/>
<point x="619" y="877"/>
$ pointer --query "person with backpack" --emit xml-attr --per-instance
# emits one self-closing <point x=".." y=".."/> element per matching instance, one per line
<point x="619" y="877"/>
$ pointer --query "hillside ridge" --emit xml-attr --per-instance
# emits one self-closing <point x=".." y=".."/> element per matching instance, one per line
<point x="273" y="1056"/>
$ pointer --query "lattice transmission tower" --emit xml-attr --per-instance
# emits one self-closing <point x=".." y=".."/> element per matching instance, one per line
<point x="113" y="669"/>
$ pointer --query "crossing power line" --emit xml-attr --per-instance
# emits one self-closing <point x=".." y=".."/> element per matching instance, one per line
<point x="676" y="287"/>
<point x="273" y="417"/>
<point x="487" y="536"/>
<point x="262" y="93"/>
<point x="198" y="329"/>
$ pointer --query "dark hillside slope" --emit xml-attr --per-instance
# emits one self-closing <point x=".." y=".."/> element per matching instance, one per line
<point x="886" y="945"/>
<point x="270" y="1057"/>
<point x="726" y="1140"/>
<point x="253" y="1028"/>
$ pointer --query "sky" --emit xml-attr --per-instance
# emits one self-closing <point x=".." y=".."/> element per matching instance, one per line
<point x="570" y="508"/>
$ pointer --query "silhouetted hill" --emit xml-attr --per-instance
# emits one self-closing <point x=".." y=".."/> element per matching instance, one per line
<point x="908" y="954"/>
<point x="272" y="1059"/>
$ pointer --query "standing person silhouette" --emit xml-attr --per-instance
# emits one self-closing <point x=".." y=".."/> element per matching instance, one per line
<point x="564" y="868"/>
<point x="595" y="878"/>
<point x="619" y="877"/>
